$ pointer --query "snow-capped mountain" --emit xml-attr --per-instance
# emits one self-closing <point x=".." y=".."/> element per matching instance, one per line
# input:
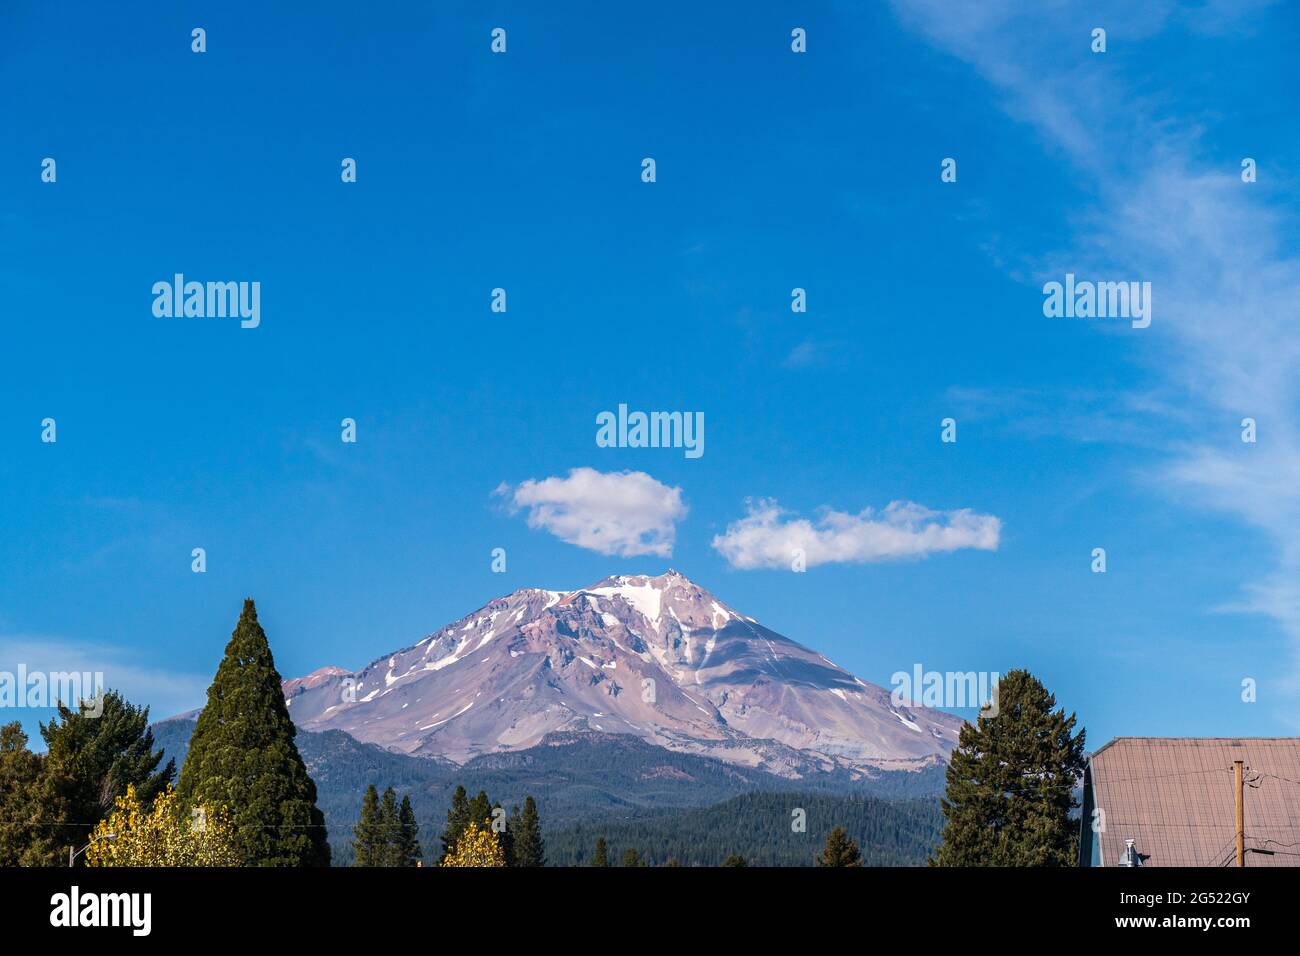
<point x="658" y="657"/>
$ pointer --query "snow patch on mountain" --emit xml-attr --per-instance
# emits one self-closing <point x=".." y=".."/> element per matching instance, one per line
<point x="655" y="656"/>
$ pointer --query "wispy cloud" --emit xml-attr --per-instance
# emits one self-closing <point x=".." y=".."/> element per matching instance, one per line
<point x="1223" y="344"/>
<point x="624" y="513"/>
<point x="1084" y="415"/>
<point x="165" y="692"/>
<point x="810" y="353"/>
<point x="768" y="536"/>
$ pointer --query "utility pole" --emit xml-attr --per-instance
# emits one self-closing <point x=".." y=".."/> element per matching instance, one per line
<point x="1241" y="816"/>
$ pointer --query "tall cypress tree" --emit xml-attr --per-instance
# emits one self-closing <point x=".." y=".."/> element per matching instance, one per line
<point x="242" y="756"/>
<point x="367" y="842"/>
<point x="409" y="840"/>
<point x="1011" y="783"/>
<point x="602" y="853"/>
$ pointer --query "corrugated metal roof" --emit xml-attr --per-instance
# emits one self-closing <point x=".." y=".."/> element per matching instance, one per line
<point x="1174" y="796"/>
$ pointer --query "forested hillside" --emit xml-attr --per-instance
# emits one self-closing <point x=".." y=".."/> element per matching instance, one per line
<point x="758" y="827"/>
<point x="585" y="780"/>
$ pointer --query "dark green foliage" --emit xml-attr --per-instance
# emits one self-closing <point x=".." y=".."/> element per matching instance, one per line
<point x="33" y="812"/>
<point x="386" y="834"/>
<point x="1011" y="783"/>
<point x="480" y="810"/>
<point x="390" y="828"/>
<point x="632" y="858"/>
<point x="457" y="820"/>
<point x="506" y="836"/>
<point x="368" y="837"/>
<point x="601" y="857"/>
<point x="94" y="758"/>
<point x="732" y="860"/>
<point x="526" y="829"/>
<point x="840" y="850"/>
<point x="757" y="826"/>
<point x="408" y="843"/>
<point x="242" y="756"/>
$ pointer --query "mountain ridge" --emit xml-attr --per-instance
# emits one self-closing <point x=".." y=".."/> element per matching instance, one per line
<point x="657" y="657"/>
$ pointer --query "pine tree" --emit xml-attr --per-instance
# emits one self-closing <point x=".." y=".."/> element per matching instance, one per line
<point x="457" y="820"/>
<point x="242" y="756"/>
<point x="409" y="839"/>
<point x="529" y="847"/>
<point x="840" y="850"/>
<point x="1011" y="783"/>
<point x="602" y="853"/>
<point x="367" y="842"/>
<point x="632" y="858"/>
<point x="735" y="860"/>
<point x="480" y="810"/>
<point x="96" y="752"/>
<point x="507" y="835"/>
<point x="390" y="829"/>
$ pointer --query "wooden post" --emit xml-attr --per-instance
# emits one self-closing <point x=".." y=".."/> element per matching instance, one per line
<point x="1241" y="816"/>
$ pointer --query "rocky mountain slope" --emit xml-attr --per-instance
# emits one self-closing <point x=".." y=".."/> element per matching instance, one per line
<point x="656" y="657"/>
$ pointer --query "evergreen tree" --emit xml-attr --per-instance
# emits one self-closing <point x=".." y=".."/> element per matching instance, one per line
<point x="632" y="858"/>
<point x="840" y="850"/>
<point x="1011" y="783"/>
<point x="529" y="847"/>
<point x="457" y="820"/>
<point x="33" y="810"/>
<point x="507" y="835"/>
<point x="390" y="829"/>
<point x="242" y="756"/>
<point x="602" y="853"/>
<point x="95" y="753"/>
<point x="367" y="840"/>
<point x="409" y="839"/>
<point x="735" y="860"/>
<point x="480" y="810"/>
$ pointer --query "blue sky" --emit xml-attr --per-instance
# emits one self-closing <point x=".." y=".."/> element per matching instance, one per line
<point x="774" y="170"/>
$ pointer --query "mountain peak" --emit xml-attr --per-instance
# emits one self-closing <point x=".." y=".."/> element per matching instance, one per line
<point x="655" y="656"/>
<point x="660" y="582"/>
<point x="320" y="676"/>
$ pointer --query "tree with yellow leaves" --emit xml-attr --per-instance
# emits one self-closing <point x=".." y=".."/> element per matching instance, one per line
<point x="477" y="846"/>
<point x="161" y="835"/>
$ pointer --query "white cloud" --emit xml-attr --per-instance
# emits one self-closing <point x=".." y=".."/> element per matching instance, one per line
<point x="1222" y="345"/>
<point x="624" y="513"/>
<point x="768" y="536"/>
